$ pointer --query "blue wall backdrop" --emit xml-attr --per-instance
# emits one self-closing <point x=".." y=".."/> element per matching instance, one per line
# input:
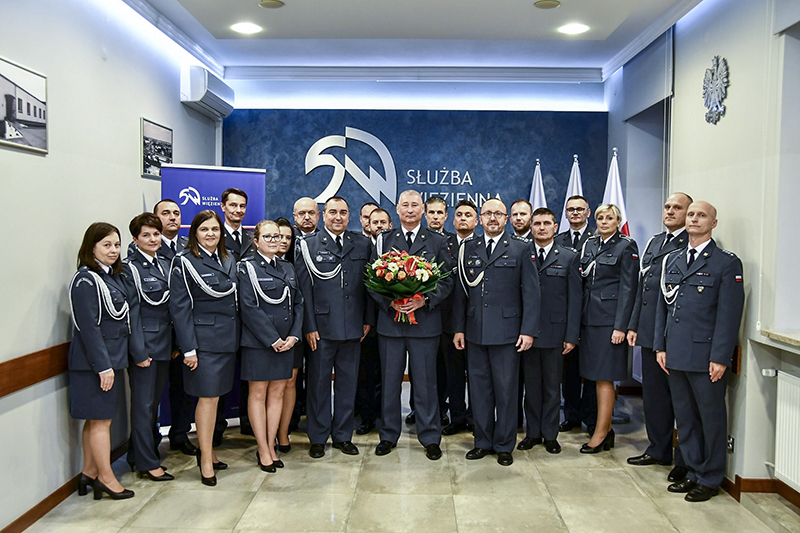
<point x="453" y="154"/>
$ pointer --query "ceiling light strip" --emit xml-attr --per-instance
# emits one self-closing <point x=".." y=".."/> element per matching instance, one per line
<point x="425" y="74"/>
<point x="154" y="17"/>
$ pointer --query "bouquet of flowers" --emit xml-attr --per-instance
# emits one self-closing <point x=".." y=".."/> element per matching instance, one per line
<point x="403" y="278"/>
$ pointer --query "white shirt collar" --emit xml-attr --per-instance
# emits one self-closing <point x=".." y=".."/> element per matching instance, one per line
<point x="460" y="240"/>
<point x="333" y="235"/>
<point x="170" y="241"/>
<point x="414" y="232"/>
<point x="699" y="248"/>
<point x="148" y="258"/>
<point x="106" y="269"/>
<point x="496" y="239"/>
<point x="676" y="232"/>
<point x="231" y="230"/>
<point x="546" y="249"/>
<point x="209" y="254"/>
<point x="273" y="260"/>
<point x="581" y="231"/>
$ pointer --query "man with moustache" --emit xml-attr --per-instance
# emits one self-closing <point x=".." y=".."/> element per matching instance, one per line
<point x="697" y="327"/>
<point x="659" y="418"/>
<point x="580" y="396"/>
<point x="181" y="405"/>
<point x="496" y="317"/>
<point x="306" y="216"/>
<point x="561" y="292"/>
<point x="330" y="272"/>
<point x="465" y="219"/>
<point x="420" y="340"/>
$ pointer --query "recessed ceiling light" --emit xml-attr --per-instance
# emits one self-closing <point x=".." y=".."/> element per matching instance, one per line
<point x="270" y="3"/>
<point x="574" y="28"/>
<point x="247" y="28"/>
<point x="547" y="4"/>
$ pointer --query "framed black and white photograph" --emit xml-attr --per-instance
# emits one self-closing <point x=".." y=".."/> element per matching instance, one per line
<point x="23" y="107"/>
<point x="156" y="148"/>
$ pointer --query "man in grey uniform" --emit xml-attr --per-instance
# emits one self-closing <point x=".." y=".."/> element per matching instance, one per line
<point x="697" y="326"/>
<point x="659" y="418"/>
<point x="496" y="316"/>
<point x="337" y="316"/>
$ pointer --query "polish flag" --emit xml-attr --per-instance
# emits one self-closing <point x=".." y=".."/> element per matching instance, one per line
<point x="613" y="193"/>
<point x="574" y="188"/>
<point x="537" y="198"/>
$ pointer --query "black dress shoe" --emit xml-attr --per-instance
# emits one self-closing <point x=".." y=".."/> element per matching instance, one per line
<point x="98" y="488"/>
<point x="316" y="451"/>
<point x="568" y="425"/>
<point x="384" y="447"/>
<point x="346" y="447"/>
<point x="367" y="426"/>
<point x="433" y="452"/>
<point x="444" y="420"/>
<point x="504" y="458"/>
<point x="283" y="449"/>
<point x="411" y="418"/>
<point x="683" y="486"/>
<point x="677" y="474"/>
<point x="645" y="460"/>
<point x="529" y="442"/>
<point x="700" y="493"/>
<point x="151" y="477"/>
<point x="552" y="446"/>
<point x="478" y="453"/>
<point x="454" y="428"/>
<point x="185" y="446"/>
<point x="84" y="484"/>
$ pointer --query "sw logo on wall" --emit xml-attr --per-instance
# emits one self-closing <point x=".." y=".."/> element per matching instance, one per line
<point x="375" y="184"/>
<point x="190" y="193"/>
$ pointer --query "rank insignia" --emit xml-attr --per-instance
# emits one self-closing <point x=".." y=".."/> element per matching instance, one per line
<point x="319" y="259"/>
<point x="700" y="288"/>
<point x="472" y="272"/>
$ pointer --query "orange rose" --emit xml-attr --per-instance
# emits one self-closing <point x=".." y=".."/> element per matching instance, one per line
<point x="401" y="275"/>
<point x="389" y="276"/>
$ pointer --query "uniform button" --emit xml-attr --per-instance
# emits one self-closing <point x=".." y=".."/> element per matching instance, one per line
<point x="284" y="307"/>
<point x="346" y="284"/>
<point x="681" y="294"/>
<point x="678" y="306"/>
<point x="233" y="318"/>
<point x="347" y="297"/>
<point x="486" y="305"/>
<point x="285" y="319"/>
<point x="644" y="303"/>
<point x="647" y="289"/>
<point x="677" y="320"/>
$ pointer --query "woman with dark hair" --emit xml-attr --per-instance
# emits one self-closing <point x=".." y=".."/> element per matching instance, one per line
<point x="286" y="252"/>
<point x="202" y="303"/>
<point x="272" y="323"/>
<point x="106" y="328"/>
<point x="146" y="280"/>
<point x="610" y="270"/>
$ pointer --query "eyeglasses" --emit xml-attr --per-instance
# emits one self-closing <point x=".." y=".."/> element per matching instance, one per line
<point x="272" y="238"/>
<point x="576" y="209"/>
<point x="494" y="214"/>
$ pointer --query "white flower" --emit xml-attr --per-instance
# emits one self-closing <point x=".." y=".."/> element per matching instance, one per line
<point x="393" y="267"/>
<point x="378" y="262"/>
<point x="422" y="275"/>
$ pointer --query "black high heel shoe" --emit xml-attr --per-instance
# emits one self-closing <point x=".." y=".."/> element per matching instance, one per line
<point x="98" y="488"/>
<point x="84" y="484"/>
<point x="283" y="448"/>
<point x="151" y="477"/>
<point x="207" y="481"/>
<point x="606" y="445"/>
<point x="271" y="468"/>
<point x="219" y="465"/>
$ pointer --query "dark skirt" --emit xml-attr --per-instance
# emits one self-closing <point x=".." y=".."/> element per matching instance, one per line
<point x="87" y="401"/>
<point x="266" y="365"/>
<point x="599" y="359"/>
<point x="213" y="375"/>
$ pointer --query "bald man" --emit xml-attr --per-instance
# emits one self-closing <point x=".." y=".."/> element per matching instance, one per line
<point x="420" y="341"/>
<point x="697" y="327"/>
<point x="306" y="216"/>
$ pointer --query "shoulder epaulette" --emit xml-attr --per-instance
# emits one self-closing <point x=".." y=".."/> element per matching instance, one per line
<point x="437" y="231"/>
<point x="724" y="251"/>
<point x="518" y="238"/>
<point x="626" y="237"/>
<point x="470" y="238"/>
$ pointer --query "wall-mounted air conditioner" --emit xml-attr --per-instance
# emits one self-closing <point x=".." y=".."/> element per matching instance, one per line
<point x="206" y="93"/>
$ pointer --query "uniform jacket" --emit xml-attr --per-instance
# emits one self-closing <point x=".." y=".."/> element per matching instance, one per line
<point x="246" y="249"/>
<point x="565" y="238"/>
<point x="262" y="323"/>
<point x="337" y="308"/>
<point x="506" y="304"/>
<point x="643" y="318"/>
<point x="561" y="287"/>
<point x="447" y="306"/>
<point x="702" y="324"/>
<point x="166" y="252"/>
<point x="203" y="322"/>
<point x="433" y="246"/>
<point x="156" y="324"/>
<point x="94" y="347"/>
<point x="610" y="281"/>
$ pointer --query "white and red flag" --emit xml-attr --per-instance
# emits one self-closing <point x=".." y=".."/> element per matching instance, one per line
<point x="574" y="188"/>
<point x="613" y="193"/>
<point x="537" y="198"/>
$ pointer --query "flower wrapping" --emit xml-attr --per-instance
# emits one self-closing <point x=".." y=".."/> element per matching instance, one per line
<point x="403" y="278"/>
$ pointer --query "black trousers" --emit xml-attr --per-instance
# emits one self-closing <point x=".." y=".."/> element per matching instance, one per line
<point x="340" y="358"/>
<point x="456" y="363"/>
<point x="493" y="377"/>
<point x="543" y="369"/>
<point x="181" y="404"/>
<point x="659" y="416"/>
<point x="580" y="396"/>
<point x="147" y="386"/>
<point x="368" y="400"/>
<point x="441" y="378"/>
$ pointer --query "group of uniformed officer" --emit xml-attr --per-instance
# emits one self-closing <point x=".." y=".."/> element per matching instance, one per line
<point x="513" y="308"/>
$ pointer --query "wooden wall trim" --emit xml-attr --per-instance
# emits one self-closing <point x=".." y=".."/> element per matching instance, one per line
<point x="787" y="492"/>
<point x="775" y="486"/>
<point x="734" y="489"/>
<point x="27" y="370"/>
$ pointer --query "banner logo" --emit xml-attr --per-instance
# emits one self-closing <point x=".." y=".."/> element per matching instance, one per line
<point x="190" y="193"/>
<point x="375" y="184"/>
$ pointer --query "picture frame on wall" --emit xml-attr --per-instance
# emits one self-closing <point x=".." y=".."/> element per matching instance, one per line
<point x="23" y="107"/>
<point x="156" y="148"/>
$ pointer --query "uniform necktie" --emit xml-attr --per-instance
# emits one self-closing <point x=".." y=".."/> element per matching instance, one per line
<point x="339" y="242"/>
<point x="490" y="248"/>
<point x="409" y="239"/>
<point x="236" y="237"/>
<point x="541" y="255"/>
<point x="215" y="257"/>
<point x="172" y="247"/>
<point x="666" y="241"/>
<point x="158" y="265"/>
<point x="692" y="252"/>
<point x="576" y="238"/>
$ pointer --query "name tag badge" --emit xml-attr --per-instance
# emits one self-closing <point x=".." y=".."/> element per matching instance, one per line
<point x="266" y="279"/>
<point x="206" y="275"/>
<point x="149" y="279"/>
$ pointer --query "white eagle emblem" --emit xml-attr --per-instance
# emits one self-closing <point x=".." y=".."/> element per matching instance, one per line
<point x="715" y="89"/>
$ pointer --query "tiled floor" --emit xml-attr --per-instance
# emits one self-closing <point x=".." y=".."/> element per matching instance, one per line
<point x="404" y="491"/>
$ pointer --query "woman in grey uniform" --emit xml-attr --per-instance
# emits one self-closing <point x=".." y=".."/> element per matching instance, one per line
<point x="146" y="280"/>
<point x="103" y="315"/>
<point x="203" y="307"/>
<point x="609" y="266"/>
<point x="272" y="321"/>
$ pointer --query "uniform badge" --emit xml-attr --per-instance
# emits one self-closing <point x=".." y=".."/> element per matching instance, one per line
<point x="469" y="262"/>
<point x="472" y="272"/>
<point x="700" y="288"/>
<point x="477" y="262"/>
<point x="738" y="279"/>
<point x="319" y="259"/>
